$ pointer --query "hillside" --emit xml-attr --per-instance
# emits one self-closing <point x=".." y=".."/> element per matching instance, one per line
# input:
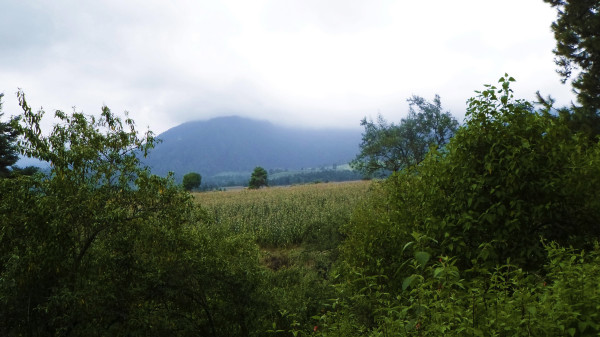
<point x="236" y="144"/>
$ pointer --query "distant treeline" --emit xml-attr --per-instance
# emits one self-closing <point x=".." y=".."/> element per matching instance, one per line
<point x="316" y="176"/>
<point x="280" y="177"/>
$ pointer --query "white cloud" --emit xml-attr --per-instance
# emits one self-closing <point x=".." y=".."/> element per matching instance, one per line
<point x="301" y="62"/>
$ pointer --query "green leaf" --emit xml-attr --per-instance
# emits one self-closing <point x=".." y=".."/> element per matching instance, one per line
<point x="422" y="258"/>
<point x="407" y="282"/>
<point x="571" y="331"/>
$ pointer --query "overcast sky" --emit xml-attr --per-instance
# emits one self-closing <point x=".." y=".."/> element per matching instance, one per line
<point x="293" y="62"/>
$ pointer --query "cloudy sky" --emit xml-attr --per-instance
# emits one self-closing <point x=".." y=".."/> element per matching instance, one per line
<point x="323" y="63"/>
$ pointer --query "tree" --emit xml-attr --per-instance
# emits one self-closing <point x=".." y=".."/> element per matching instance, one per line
<point x="101" y="247"/>
<point x="258" y="178"/>
<point x="191" y="181"/>
<point x="390" y="147"/>
<point x="8" y="151"/>
<point x="578" y="49"/>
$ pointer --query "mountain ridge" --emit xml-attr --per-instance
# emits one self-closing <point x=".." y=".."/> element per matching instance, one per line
<point x="238" y="144"/>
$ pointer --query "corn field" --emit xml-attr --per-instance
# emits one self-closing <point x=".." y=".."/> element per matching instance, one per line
<point x="283" y="216"/>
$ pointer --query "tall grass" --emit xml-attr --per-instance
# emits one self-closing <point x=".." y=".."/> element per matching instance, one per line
<point x="305" y="214"/>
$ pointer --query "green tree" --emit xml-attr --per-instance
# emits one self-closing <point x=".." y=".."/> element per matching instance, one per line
<point x="258" y="178"/>
<point x="389" y="147"/>
<point x="578" y="52"/>
<point x="8" y="151"/>
<point x="191" y="181"/>
<point x="100" y="247"/>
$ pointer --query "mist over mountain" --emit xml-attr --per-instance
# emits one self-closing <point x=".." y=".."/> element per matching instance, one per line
<point x="236" y="144"/>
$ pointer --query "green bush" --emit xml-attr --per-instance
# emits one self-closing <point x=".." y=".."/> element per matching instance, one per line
<point x="503" y="301"/>
<point x="509" y="177"/>
<point x="99" y="247"/>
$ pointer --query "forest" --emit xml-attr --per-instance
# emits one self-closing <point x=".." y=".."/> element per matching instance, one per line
<point x="495" y="233"/>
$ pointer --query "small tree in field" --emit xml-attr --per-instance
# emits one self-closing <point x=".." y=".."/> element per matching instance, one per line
<point x="191" y="181"/>
<point x="258" y="178"/>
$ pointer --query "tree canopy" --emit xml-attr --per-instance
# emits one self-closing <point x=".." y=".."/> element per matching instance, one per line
<point x="192" y="181"/>
<point x="258" y="178"/>
<point x="8" y="150"/>
<point x="578" y="54"/>
<point x="391" y="147"/>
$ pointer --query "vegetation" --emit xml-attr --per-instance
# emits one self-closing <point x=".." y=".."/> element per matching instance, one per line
<point x="314" y="176"/>
<point x="281" y="217"/>
<point x="391" y="148"/>
<point x="192" y="181"/>
<point x="279" y="177"/>
<point x="101" y="247"/>
<point x="578" y="49"/>
<point x="459" y="243"/>
<point x="258" y="178"/>
<point x="451" y="245"/>
<point x="8" y="151"/>
<point x="496" y="234"/>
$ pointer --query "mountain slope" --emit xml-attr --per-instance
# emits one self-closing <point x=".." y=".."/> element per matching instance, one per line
<point x="238" y="144"/>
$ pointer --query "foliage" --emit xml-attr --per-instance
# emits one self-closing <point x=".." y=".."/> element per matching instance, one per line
<point x="436" y="300"/>
<point x="513" y="175"/>
<point x="298" y="231"/>
<point x="578" y="49"/>
<point x="452" y="246"/>
<point x="191" y="181"/>
<point x="100" y="247"/>
<point x="508" y="177"/>
<point x="390" y="147"/>
<point x="26" y="171"/>
<point x="258" y="178"/>
<point x="8" y="151"/>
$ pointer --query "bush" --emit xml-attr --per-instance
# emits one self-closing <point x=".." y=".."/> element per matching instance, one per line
<point x="509" y="177"/>
<point x="100" y="247"/>
<point x="504" y="301"/>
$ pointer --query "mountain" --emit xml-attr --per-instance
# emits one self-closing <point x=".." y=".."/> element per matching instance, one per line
<point x="236" y="144"/>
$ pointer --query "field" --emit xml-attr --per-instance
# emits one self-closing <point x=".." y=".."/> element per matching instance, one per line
<point x="284" y="216"/>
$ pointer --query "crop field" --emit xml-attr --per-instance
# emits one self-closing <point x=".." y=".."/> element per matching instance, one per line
<point x="283" y="216"/>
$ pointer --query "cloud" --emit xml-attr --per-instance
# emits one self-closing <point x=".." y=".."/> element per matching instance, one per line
<point x="301" y="62"/>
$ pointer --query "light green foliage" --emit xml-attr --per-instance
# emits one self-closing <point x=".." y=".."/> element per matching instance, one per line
<point x="258" y="178"/>
<point x="192" y="181"/>
<point x="390" y="147"/>
<point x="505" y="301"/>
